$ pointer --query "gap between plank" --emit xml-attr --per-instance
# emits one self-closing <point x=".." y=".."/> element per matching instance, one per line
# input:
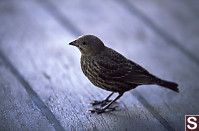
<point x="150" y="108"/>
<point x="60" y="18"/>
<point x="169" y="39"/>
<point x="33" y="95"/>
<point x="75" y="31"/>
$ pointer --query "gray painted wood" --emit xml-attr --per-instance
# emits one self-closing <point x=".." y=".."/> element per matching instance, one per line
<point x="35" y="39"/>
<point x="177" y="20"/>
<point x="125" y="32"/>
<point x="17" y="110"/>
<point x="37" y="46"/>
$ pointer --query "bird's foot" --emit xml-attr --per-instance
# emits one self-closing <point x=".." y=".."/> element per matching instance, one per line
<point x="101" y="103"/>
<point x="102" y="110"/>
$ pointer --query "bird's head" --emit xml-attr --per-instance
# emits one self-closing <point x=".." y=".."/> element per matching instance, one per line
<point x="89" y="45"/>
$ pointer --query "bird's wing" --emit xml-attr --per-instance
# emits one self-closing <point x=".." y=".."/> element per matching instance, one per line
<point x="114" y="66"/>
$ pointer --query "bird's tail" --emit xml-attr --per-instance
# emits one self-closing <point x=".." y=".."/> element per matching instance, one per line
<point x="170" y="85"/>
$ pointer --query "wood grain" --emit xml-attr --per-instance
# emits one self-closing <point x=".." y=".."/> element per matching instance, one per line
<point x="132" y="37"/>
<point x="41" y="55"/>
<point x="176" y="22"/>
<point x="35" y="37"/>
<point x="17" y="110"/>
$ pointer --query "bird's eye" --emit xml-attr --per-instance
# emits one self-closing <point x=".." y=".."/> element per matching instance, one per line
<point x="84" y="43"/>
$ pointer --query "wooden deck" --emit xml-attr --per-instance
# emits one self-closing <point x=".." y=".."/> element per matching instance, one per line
<point x="42" y="86"/>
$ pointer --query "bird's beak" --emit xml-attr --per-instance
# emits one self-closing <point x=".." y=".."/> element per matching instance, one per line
<point x="74" y="43"/>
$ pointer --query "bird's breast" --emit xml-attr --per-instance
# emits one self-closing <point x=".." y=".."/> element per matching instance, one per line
<point x="94" y="73"/>
<point x="89" y="68"/>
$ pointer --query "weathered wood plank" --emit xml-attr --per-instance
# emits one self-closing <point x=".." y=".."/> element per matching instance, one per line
<point x="17" y="110"/>
<point x="176" y="21"/>
<point x="193" y="6"/>
<point x="136" y="40"/>
<point x="36" y="45"/>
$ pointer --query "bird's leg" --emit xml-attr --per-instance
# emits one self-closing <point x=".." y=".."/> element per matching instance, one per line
<point x="103" y="102"/>
<point x="103" y="109"/>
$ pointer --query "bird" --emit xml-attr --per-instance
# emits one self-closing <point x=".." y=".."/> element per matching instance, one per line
<point x="111" y="71"/>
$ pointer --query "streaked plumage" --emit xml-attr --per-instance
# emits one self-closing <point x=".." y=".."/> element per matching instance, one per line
<point x="111" y="71"/>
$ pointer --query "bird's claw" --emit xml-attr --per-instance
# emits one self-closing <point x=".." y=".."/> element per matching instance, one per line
<point x="101" y="103"/>
<point x="97" y="110"/>
<point x="102" y="110"/>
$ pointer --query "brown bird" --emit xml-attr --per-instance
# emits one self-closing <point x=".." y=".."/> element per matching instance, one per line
<point x="111" y="71"/>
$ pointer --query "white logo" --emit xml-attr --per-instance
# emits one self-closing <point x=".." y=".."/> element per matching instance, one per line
<point x="192" y="120"/>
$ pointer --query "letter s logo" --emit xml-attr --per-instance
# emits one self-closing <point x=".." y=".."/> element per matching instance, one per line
<point x="192" y="121"/>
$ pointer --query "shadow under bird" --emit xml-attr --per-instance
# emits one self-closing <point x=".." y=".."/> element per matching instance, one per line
<point x="111" y="71"/>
